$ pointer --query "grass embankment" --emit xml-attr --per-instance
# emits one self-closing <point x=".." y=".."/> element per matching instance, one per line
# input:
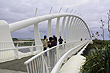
<point x="99" y="60"/>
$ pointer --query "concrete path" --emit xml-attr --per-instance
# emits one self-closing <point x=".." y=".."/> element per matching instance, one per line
<point x="14" y="66"/>
<point x="10" y="71"/>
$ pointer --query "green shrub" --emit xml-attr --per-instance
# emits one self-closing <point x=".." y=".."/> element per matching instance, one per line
<point x="97" y="62"/>
<point x="98" y="41"/>
<point x="14" y="39"/>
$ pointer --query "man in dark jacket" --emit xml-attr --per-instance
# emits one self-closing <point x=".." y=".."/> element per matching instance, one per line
<point x="55" y="39"/>
<point x="51" y="44"/>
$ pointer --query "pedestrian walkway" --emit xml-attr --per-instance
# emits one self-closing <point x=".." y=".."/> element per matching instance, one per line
<point x="14" y="66"/>
<point x="10" y="71"/>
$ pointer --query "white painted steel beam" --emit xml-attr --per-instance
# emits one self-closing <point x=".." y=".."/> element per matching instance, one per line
<point x="75" y="30"/>
<point x="67" y="28"/>
<point x="62" y="28"/>
<point x="49" y="33"/>
<point x="21" y="24"/>
<point x="24" y="23"/>
<point x="70" y="34"/>
<point x="72" y="30"/>
<point x="37" y="37"/>
<point x="57" y="28"/>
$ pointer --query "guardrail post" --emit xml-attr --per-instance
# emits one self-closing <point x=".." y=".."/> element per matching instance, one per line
<point x="16" y="52"/>
<point x="43" y="64"/>
<point x="31" y="49"/>
<point x="57" y="53"/>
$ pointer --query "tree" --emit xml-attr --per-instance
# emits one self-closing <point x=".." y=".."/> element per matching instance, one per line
<point x="97" y="34"/>
<point x="14" y="39"/>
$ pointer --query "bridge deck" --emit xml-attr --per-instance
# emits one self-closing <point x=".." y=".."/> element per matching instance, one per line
<point x="10" y="71"/>
<point x="14" y="66"/>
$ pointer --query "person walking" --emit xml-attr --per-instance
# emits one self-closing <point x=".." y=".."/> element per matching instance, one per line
<point x="60" y="40"/>
<point x="45" y="44"/>
<point x="51" y="44"/>
<point x="55" y="42"/>
<point x="55" y="39"/>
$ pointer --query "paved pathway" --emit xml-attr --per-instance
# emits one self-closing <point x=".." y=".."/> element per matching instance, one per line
<point x="10" y="71"/>
<point x="14" y="66"/>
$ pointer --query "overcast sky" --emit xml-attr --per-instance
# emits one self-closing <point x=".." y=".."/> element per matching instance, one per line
<point x="92" y="11"/>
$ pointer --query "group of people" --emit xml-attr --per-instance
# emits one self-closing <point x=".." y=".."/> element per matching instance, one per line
<point x="52" y="41"/>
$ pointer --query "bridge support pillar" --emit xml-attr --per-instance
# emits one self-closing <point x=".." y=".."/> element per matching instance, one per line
<point x="67" y="28"/>
<point x="70" y="29"/>
<point x="6" y="42"/>
<point x="62" y="28"/>
<point x="49" y="34"/>
<point x="57" y="28"/>
<point x="38" y="42"/>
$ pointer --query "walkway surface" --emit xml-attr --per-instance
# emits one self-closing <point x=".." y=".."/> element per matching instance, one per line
<point x="10" y="71"/>
<point x="14" y="66"/>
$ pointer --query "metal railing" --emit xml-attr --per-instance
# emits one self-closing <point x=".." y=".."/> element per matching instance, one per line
<point x="59" y="65"/>
<point x="19" y="51"/>
<point x="45" y="61"/>
<point x="24" y="43"/>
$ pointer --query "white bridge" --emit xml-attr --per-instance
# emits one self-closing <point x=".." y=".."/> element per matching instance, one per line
<point x="74" y="32"/>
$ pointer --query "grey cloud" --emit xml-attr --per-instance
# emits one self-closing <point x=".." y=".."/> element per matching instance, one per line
<point x="13" y="11"/>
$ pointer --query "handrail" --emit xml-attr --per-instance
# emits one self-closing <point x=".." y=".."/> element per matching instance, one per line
<point x="59" y="63"/>
<point x="19" y="48"/>
<point x="46" y="62"/>
<point x="84" y="48"/>
<point x="18" y="51"/>
<point x="45" y="52"/>
<point x="22" y="41"/>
